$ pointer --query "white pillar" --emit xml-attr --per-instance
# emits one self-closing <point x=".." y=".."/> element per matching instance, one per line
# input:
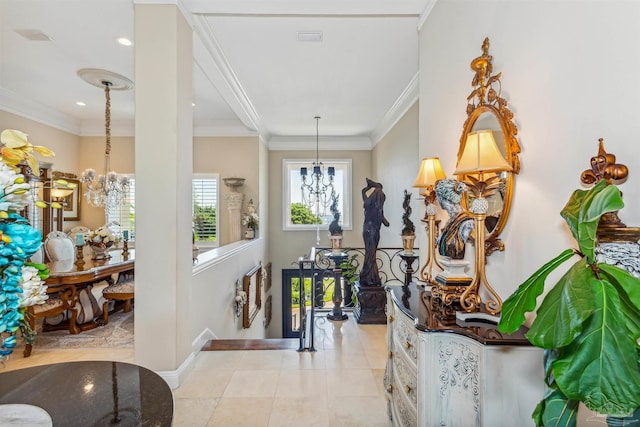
<point x="234" y="206"/>
<point x="163" y="167"/>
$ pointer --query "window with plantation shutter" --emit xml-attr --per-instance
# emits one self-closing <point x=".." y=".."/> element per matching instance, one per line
<point x="125" y="213"/>
<point x="205" y="209"/>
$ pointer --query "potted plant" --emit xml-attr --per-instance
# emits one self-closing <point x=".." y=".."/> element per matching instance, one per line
<point x="588" y="323"/>
<point x="408" y="229"/>
<point x="335" y="229"/>
<point x="350" y="273"/>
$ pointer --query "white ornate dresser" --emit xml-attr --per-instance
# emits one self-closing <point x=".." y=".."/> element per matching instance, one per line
<point x="457" y="376"/>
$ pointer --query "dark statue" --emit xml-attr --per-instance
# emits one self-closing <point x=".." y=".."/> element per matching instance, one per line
<point x="408" y="228"/>
<point x="335" y="228"/>
<point x="373" y="198"/>
<point x="457" y="230"/>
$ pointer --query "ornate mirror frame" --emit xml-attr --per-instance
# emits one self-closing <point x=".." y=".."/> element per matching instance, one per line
<point x="485" y="100"/>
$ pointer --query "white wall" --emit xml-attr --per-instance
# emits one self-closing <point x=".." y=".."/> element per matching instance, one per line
<point x="395" y="164"/>
<point x="570" y="75"/>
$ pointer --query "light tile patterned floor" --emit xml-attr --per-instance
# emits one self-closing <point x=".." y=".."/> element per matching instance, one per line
<point x="338" y="385"/>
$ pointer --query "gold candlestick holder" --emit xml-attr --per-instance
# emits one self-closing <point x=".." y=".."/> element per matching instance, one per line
<point x="125" y="249"/>
<point x="79" y="256"/>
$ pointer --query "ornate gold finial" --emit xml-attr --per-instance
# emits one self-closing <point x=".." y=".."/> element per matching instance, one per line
<point x="604" y="166"/>
<point x="485" y="95"/>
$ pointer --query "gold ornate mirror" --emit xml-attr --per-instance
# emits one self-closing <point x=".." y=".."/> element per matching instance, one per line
<point x="487" y="111"/>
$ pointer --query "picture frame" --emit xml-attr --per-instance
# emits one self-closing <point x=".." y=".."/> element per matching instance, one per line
<point x="267" y="277"/>
<point x="252" y="286"/>
<point x="72" y="201"/>
<point x="268" y="307"/>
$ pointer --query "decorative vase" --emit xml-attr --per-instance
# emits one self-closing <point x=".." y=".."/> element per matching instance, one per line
<point x="100" y="250"/>
<point x="250" y="233"/>
<point x="336" y="243"/>
<point x="407" y="243"/>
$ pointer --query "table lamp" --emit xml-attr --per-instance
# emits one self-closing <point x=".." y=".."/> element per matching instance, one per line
<point x="430" y="172"/>
<point x="480" y="156"/>
<point x="58" y="194"/>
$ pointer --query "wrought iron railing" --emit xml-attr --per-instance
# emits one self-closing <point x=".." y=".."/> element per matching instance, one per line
<point x="318" y="266"/>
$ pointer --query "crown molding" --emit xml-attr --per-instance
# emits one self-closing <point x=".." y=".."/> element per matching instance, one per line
<point x="407" y="98"/>
<point x="426" y="12"/>
<point x="33" y="110"/>
<point x="301" y="8"/>
<point x="222" y="128"/>
<point x="210" y="58"/>
<point x="308" y="143"/>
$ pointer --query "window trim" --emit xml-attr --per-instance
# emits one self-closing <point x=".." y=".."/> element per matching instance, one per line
<point x="347" y="215"/>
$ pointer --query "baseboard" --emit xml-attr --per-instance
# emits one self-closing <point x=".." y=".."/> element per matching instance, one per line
<point x="177" y="377"/>
<point x="202" y="339"/>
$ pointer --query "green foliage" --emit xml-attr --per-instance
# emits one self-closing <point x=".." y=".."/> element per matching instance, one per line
<point x="300" y="214"/>
<point x="204" y="223"/>
<point x="589" y="322"/>
<point x="350" y="269"/>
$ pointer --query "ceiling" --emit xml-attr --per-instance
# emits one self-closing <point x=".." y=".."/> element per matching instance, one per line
<point x="251" y="74"/>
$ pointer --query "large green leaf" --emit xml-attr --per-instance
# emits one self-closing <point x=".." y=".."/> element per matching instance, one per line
<point x="557" y="410"/>
<point x="583" y="211"/>
<point x="564" y="308"/>
<point x="524" y="298"/>
<point x="629" y="283"/>
<point x="601" y="367"/>
<point x="628" y="289"/>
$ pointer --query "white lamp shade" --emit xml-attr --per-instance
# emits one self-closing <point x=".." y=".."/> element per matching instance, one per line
<point x="481" y="154"/>
<point x="430" y="172"/>
<point x="60" y="193"/>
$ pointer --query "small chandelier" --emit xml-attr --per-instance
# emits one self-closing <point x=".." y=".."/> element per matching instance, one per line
<point x="318" y="190"/>
<point x="109" y="189"/>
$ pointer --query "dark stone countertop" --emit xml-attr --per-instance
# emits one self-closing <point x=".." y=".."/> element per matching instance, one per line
<point x="85" y="393"/>
<point x="426" y="320"/>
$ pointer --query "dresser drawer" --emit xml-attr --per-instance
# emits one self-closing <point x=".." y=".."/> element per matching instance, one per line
<point x="406" y="378"/>
<point x="405" y="336"/>
<point x="403" y="414"/>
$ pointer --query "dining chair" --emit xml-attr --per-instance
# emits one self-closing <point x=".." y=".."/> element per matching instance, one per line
<point x="59" y="246"/>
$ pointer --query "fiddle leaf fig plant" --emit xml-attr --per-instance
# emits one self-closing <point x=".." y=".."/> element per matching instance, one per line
<point x="588" y="323"/>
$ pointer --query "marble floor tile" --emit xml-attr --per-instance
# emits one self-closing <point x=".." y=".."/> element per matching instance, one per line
<point x="218" y="360"/>
<point x="242" y="412"/>
<point x="303" y="360"/>
<point x="193" y="412"/>
<point x="289" y="412"/>
<point x="339" y="359"/>
<point x="351" y="382"/>
<point x="204" y="384"/>
<point x="358" y="412"/>
<point x="300" y="383"/>
<point x="253" y="383"/>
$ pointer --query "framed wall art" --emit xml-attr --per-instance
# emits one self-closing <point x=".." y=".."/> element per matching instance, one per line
<point x="71" y="210"/>
<point x="252" y="285"/>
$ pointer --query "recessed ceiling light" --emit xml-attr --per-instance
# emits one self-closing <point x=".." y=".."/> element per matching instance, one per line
<point x="124" y="41"/>
<point x="309" y="36"/>
<point x="193" y="104"/>
<point x="81" y="104"/>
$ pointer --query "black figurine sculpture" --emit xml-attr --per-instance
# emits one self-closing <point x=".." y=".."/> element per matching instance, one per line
<point x="334" y="228"/>
<point x="373" y="218"/>
<point x="408" y="228"/>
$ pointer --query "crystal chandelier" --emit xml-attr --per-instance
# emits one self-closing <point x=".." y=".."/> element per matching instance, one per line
<point x="109" y="189"/>
<point x="317" y="189"/>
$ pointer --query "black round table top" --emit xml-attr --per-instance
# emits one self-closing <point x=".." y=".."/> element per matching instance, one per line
<point x="92" y="393"/>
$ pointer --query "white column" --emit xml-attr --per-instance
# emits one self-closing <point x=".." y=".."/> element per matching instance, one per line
<point x="163" y="167"/>
<point x="234" y="206"/>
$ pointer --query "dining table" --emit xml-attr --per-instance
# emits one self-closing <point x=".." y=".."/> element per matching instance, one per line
<point x="84" y="272"/>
